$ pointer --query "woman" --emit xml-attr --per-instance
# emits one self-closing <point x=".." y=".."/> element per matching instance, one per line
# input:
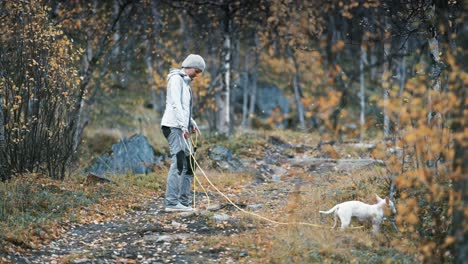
<point x="176" y="123"/>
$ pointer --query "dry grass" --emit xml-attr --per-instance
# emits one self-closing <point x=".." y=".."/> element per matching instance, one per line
<point x="296" y="243"/>
<point x="35" y="209"/>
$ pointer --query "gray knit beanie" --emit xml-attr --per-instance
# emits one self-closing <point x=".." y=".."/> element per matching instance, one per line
<point x="194" y="61"/>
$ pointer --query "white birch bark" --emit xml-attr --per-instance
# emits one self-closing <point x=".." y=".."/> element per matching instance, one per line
<point x="385" y="80"/>
<point x="223" y="100"/>
<point x="297" y="96"/>
<point x="401" y="79"/>
<point x="434" y="74"/>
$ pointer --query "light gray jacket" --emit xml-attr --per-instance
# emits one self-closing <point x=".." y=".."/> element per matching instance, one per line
<point x="178" y="112"/>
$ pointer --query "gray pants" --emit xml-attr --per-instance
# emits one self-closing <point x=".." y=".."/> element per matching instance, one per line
<point x="178" y="180"/>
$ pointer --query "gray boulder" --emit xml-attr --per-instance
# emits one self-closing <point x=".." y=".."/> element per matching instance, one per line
<point x="223" y="159"/>
<point x="269" y="97"/>
<point x="130" y="155"/>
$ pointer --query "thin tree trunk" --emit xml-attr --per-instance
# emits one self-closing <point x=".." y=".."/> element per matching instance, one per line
<point x="129" y="55"/>
<point x="235" y="66"/>
<point x="185" y="32"/>
<point x="223" y="98"/>
<point x="253" y="86"/>
<point x="434" y="74"/>
<point x="79" y="125"/>
<point x="150" y="72"/>
<point x="245" y="90"/>
<point x="158" y="95"/>
<point x="460" y="167"/>
<point x="433" y="115"/>
<point x="362" y="92"/>
<point x="385" y="78"/>
<point x="3" y="174"/>
<point x="297" y="95"/>
<point x="460" y="182"/>
<point x="2" y="129"/>
<point x="115" y="54"/>
<point x="373" y="61"/>
<point x="401" y="80"/>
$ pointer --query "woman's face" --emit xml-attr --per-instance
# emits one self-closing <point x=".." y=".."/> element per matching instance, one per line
<point x="192" y="72"/>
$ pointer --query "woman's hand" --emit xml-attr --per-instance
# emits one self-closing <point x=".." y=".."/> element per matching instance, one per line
<point x="186" y="134"/>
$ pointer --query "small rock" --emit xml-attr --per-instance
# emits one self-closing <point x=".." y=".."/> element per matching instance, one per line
<point x="82" y="260"/>
<point x="255" y="206"/>
<point x="363" y="146"/>
<point x="220" y="153"/>
<point x="168" y="238"/>
<point x="187" y="214"/>
<point x="176" y="225"/>
<point x="219" y="218"/>
<point x="150" y="238"/>
<point x="214" y="207"/>
<point x="276" y="178"/>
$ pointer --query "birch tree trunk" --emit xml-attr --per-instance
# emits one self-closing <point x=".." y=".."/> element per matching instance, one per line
<point x="434" y="117"/>
<point x="362" y="92"/>
<point x="401" y="79"/>
<point x="385" y="78"/>
<point x="297" y="95"/>
<point x="222" y="99"/>
<point x="235" y="67"/>
<point x="435" y="72"/>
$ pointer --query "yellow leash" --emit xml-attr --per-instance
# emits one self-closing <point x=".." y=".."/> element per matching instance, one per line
<point x="194" y="175"/>
<point x="240" y="209"/>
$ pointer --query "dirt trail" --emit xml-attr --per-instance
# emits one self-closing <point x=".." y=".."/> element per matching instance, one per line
<point x="147" y="236"/>
<point x="150" y="235"/>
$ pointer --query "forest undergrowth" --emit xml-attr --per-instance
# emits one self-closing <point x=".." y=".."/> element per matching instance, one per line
<point x="36" y="210"/>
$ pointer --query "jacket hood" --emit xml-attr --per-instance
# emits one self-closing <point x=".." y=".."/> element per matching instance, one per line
<point x="179" y="72"/>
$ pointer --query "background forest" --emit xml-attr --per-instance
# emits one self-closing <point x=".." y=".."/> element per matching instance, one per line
<point x="390" y="73"/>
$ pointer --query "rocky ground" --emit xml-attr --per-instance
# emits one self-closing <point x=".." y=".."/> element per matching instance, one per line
<point x="150" y="235"/>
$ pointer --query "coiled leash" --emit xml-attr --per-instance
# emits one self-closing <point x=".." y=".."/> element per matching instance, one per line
<point x="192" y="166"/>
<point x="192" y="154"/>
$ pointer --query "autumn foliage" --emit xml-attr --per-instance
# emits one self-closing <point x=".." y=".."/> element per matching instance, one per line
<point x="389" y="73"/>
<point x="38" y="91"/>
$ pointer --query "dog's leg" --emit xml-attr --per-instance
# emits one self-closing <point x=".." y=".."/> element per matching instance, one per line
<point x="334" y="224"/>
<point x="345" y="221"/>
<point x="375" y="229"/>
<point x="376" y="226"/>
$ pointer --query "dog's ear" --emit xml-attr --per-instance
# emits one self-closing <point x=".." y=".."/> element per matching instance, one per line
<point x="387" y="200"/>
<point x="378" y="198"/>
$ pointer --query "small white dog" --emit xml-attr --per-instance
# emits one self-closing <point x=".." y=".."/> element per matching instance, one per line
<point x="362" y="211"/>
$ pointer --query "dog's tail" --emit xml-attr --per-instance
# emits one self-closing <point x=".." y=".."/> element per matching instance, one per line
<point x="330" y="211"/>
